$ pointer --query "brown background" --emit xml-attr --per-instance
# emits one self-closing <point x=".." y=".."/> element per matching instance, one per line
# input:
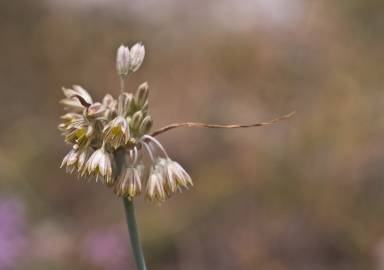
<point x="304" y="194"/>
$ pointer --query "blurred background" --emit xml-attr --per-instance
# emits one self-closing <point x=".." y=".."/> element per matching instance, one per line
<point x="307" y="193"/>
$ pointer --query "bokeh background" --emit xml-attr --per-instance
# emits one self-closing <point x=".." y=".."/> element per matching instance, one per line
<point x="307" y="193"/>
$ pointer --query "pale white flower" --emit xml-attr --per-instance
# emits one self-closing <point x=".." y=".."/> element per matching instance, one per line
<point x="136" y="56"/>
<point x="176" y="176"/>
<point x="155" y="189"/>
<point x="111" y="138"/>
<point x="122" y="60"/>
<point x="70" y="160"/>
<point x="116" y="132"/>
<point x="99" y="164"/>
<point x="83" y="155"/>
<point x="128" y="183"/>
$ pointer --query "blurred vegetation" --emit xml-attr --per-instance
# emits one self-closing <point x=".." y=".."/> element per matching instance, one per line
<point x="304" y="194"/>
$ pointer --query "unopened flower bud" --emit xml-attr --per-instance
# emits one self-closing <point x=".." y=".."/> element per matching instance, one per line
<point x="141" y="95"/>
<point x="136" y="56"/>
<point x="146" y="125"/>
<point x="136" y="120"/>
<point x="95" y="110"/>
<point x="125" y="104"/>
<point x="108" y="101"/>
<point x="122" y="61"/>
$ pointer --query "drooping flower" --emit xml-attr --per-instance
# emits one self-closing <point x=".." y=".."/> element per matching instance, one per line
<point x="70" y="160"/>
<point x="100" y="165"/>
<point x="75" y="160"/>
<point x="128" y="183"/>
<point x="176" y="176"/>
<point x="155" y="189"/>
<point x="83" y="155"/>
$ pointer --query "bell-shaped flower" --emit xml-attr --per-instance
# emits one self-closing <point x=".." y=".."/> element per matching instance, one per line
<point x="176" y="177"/>
<point x="100" y="165"/>
<point x="128" y="183"/>
<point x="155" y="189"/>
<point x="116" y="132"/>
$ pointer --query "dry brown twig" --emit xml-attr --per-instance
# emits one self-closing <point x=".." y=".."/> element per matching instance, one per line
<point x="203" y="125"/>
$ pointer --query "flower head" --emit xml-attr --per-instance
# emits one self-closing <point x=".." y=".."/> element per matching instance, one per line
<point x="114" y="133"/>
<point x="110" y="137"/>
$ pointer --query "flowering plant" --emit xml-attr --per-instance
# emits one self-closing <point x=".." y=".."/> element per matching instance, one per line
<point x="109" y="139"/>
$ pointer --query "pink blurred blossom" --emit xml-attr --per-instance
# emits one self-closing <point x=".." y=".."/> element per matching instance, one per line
<point x="12" y="231"/>
<point x="107" y="249"/>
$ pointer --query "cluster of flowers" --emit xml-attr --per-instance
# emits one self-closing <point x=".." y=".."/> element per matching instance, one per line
<point x="109" y="138"/>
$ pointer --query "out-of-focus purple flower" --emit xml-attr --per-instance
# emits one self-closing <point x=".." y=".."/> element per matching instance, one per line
<point x="12" y="231"/>
<point x="106" y="249"/>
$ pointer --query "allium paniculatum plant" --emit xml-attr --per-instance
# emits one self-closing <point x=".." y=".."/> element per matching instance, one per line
<point x="110" y="139"/>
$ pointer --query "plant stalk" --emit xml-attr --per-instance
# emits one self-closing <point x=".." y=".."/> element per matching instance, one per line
<point x="134" y="234"/>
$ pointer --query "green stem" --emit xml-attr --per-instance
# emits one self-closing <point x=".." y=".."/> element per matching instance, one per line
<point x="134" y="234"/>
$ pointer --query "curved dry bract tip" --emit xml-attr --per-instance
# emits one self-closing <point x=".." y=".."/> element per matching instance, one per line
<point x="230" y="126"/>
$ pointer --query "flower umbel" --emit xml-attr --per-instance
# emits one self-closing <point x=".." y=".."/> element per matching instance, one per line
<point x="110" y="138"/>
